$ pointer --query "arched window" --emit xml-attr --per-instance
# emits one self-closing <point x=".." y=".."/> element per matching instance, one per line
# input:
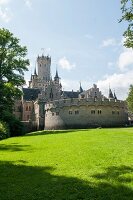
<point x="29" y="108"/>
<point x="26" y="108"/>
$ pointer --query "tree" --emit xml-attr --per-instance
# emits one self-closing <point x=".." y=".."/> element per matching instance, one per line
<point x="127" y="16"/>
<point x="13" y="63"/>
<point x="130" y="98"/>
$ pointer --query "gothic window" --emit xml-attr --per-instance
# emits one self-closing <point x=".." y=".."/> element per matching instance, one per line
<point x="92" y="111"/>
<point x="76" y="112"/>
<point x="99" y="112"/>
<point x="51" y="94"/>
<point x="29" y="108"/>
<point x="26" y="108"/>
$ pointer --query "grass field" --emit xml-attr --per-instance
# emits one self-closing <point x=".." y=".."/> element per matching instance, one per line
<point x="94" y="164"/>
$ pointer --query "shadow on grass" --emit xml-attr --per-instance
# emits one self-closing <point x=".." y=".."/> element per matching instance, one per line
<point x="49" y="132"/>
<point x="13" y="147"/>
<point x="21" y="182"/>
<point x="119" y="174"/>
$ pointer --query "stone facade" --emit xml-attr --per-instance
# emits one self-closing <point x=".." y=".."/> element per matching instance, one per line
<point x="46" y="106"/>
<point x="85" y="113"/>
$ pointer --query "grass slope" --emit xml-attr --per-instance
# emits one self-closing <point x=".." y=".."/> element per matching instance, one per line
<point x="94" y="164"/>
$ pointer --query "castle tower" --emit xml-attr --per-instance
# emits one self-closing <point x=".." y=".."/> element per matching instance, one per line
<point x="56" y="78"/>
<point x="80" y="88"/>
<point x="44" y="63"/>
<point x="110" y="94"/>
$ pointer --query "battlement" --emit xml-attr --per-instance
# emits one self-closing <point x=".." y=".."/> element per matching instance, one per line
<point x="84" y="102"/>
<point x="46" y="58"/>
<point x="44" y="63"/>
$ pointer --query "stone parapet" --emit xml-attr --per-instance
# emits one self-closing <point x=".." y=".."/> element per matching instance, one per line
<point x="87" y="102"/>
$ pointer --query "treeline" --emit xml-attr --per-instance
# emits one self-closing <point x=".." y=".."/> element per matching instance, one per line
<point x="13" y="64"/>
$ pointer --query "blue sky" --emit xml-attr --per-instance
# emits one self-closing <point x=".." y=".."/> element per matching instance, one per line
<point x="83" y="37"/>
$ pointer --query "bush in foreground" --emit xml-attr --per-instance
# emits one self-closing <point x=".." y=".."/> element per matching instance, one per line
<point x="4" y="130"/>
<point x="15" y="126"/>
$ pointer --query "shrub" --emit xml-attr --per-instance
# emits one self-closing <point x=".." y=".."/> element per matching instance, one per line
<point x="15" y="126"/>
<point x="4" y="130"/>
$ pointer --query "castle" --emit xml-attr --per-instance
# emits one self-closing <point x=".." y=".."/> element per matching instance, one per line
<point x="44" y="105"/>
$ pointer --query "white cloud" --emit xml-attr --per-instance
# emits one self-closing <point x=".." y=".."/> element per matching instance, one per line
<point x="109" y="42"/>
<point x="118" y="82"/>
<point x="65" y="64"/>
<point x="4" y="2"/>
<point x="28" y="3"/>
<point x="5" y="14"/>
<point x="125" y="59"/>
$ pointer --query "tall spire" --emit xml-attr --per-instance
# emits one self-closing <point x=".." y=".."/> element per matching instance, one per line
<point x="110" y="94"/>
<point x="56" y="78"/>
<point x="115" y="97"/>
<point x="35" y="71"/>
<point x="80" y="88"/>
<point x="56" y="75"/>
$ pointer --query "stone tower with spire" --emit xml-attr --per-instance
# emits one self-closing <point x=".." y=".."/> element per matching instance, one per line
<point x="44" y="64"/>
<point x="50" y="89"/>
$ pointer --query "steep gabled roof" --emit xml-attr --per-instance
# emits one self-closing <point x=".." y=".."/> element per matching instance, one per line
<point x="110" y="94"/>
<point x="30" y="94"/>
<point x="70" y="94"/>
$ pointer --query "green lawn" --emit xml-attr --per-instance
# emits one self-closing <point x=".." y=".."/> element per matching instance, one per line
<point x="93" y="164"/>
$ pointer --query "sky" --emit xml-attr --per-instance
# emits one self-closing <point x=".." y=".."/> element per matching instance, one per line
<point x="83" y="38"/>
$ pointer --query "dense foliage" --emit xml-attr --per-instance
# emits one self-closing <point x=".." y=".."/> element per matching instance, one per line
<point x="12" y="66"/>
<point x="4" y="130"/>
<point x="13" y="63"/>
<point x="130" y="98"/>
<point x="127" y="16"/>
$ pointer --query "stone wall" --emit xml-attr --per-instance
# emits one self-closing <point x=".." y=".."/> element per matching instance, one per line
<point x="84" y="113"/>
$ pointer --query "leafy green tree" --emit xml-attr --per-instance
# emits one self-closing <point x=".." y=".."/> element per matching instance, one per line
<point x="13" y="63"/>
<point x="130" y="98"/>
<point x="127" y="16"/>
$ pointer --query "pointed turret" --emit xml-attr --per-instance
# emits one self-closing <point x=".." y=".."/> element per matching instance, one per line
<point x="110" y="94"/>
<point x="115" y="97"/>
<point x="56" y="78"/>
<point x="35" y="71"/>
<point x="80" y="88"/>
<point x="56" y="75"/>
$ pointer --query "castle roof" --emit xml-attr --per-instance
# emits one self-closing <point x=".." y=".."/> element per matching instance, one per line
<point x="35" y="71"/>
<point x="30" y="94"/>
<point x="110" y="94"/>
<point x="56" y="75"/>
<point x="80" y="88"/>
<point x="115" y="97"/>
<point x="70" y="94"/>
